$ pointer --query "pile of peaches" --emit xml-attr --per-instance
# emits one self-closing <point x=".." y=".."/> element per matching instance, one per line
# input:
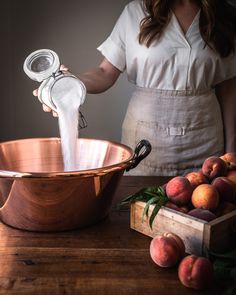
<point x="205" y="194"/>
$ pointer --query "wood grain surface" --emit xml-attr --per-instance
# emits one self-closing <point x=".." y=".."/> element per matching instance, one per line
<point x="106" y="258"/>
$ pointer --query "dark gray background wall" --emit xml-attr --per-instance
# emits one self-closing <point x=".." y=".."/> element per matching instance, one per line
<point x="74" y="29"/>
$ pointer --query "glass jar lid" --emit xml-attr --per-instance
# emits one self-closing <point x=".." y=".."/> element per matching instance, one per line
<point x="41" y="64"/>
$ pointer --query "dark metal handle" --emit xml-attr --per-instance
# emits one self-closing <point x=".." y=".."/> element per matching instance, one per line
<point x="142" y="150"/>
<point x="82" y="121"/>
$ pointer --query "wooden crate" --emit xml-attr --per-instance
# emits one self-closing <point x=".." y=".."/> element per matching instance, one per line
<point x="199" y="236"/>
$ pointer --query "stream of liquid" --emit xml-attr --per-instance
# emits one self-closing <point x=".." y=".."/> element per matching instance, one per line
<point x="68" y="98"/>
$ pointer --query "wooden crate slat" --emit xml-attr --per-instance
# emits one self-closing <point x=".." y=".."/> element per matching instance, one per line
<point x="218" y="233"/>
<point x="198" y="235"/>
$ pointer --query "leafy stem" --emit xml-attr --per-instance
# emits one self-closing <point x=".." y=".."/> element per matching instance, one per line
<point x="154" y="195"/>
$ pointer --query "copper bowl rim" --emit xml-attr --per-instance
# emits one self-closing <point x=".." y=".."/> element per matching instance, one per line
<point x="80" y="173"/>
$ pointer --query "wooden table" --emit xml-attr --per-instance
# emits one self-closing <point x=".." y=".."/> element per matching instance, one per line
<point x="107" y="258"/>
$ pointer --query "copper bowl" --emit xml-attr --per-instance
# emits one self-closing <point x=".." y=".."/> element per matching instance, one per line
<point x="37" y="195"/>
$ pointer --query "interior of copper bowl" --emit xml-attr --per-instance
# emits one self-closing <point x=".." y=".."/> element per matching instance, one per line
<point x="44" y="155"/>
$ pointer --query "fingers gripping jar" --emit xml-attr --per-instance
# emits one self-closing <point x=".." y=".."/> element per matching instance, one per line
<point x="43" y="66"/>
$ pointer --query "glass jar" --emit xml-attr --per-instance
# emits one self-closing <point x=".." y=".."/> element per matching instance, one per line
<point x="43" y="65"/>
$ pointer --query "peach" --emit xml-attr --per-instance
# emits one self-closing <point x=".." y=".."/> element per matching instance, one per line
<point x="179" y="190"/>
<point x="167" y="250"/>
<point x="202" y="214"/>
<point x="226" y="207"/>
<point x="183" y="209"/>
<point x="213" y="167"/>
<point x="230" y="156"/>
<point x="231" y="175"/>
<point x="230" y="159"/>
<point x="225" y="188"/>
<point x="205" y="196"/>
<point x="196" y="272"/>
<point x="196" y="178"/>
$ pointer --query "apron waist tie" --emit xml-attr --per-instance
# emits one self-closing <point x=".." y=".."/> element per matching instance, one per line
<point x="165" y="92"/>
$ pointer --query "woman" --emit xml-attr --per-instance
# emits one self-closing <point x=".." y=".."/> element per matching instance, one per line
<point x="180" y="55"/>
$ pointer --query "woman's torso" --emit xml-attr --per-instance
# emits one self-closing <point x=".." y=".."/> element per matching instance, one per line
<point x="183" y="129"/>
<point x="176" y="61"/>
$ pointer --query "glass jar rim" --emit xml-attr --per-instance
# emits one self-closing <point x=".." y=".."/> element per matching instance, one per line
<point x="41" y="64"/>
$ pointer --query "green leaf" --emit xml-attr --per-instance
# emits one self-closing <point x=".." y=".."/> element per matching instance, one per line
<point x="151" y="195"/>
<point x="142" y="195"/>
<point x="131" y="199"/>
<point x="146" y="208"/>
<point x="161" y="202"/>
<point x="153" y="215"/>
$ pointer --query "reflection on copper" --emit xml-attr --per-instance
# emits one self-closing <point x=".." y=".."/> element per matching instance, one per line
<point x="43" y="157"/>
<point x="36" y="194"/>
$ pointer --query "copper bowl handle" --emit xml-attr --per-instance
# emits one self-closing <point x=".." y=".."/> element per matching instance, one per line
<point x="142" y="150"/>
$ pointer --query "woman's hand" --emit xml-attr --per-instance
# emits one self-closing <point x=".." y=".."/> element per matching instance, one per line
<point x="96" y="80"/>
<point x="45" y="107"/>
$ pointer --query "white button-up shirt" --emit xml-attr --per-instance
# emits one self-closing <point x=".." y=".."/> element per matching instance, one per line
<point x="176" y="61"/>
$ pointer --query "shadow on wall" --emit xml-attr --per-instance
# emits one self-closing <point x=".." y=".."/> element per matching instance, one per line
<point x="74" y="29"/>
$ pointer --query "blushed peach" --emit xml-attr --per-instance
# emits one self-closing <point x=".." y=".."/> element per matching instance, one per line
<point x="183" y="209"/>
<point x="231" y="175"/>
<point x="230" y="156"/>
<point x="225" y="188"/>
<point x="179" y="190"/>
<point x="213" y="167"/>
<point x="230" y="159"/>
<point x="167" y="250"/>
<point x="196" y="272"/>
<point x="196" y="178"/>
<point x="205" y="196"/>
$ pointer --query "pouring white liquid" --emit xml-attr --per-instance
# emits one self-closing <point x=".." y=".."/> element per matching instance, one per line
<point x="68" y="97"/>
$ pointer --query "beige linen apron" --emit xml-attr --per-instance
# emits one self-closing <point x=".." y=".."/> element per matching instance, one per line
<point x="183" y="127"/>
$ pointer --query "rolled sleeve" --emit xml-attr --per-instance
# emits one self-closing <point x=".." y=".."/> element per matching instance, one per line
<point x="113" y="53"/>
<point x="114" y="47"/>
